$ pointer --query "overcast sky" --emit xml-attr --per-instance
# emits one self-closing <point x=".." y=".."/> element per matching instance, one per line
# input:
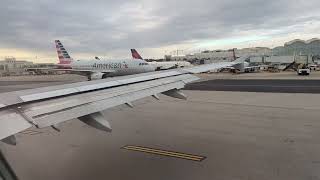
<point x="154" y="27"/>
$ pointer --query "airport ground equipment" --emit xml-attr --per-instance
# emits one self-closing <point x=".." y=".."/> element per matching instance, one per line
<point x="303" y="72"/>
<point x="313" y="67"/>
<point x="290" y="66"/>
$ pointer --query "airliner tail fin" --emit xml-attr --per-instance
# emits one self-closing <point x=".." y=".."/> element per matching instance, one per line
<point x="63" y="55"/>
<point x="135" y="54"/>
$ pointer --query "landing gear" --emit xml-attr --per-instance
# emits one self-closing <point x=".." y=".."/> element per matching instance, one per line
<point x="96" y="76"/>
<point x="104" y="76"/>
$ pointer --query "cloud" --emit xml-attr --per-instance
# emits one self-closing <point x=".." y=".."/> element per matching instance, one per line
<point x="105" y="27"/>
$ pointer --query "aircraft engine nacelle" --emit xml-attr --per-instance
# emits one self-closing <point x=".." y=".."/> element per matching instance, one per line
<point x="96" y="76"/>
<point x="241" y="66"/>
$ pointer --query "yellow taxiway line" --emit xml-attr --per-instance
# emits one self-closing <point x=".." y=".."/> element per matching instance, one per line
<point x="165" y="153"/>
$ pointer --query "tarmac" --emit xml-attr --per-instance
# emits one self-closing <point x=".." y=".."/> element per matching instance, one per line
<point x="258" y="85"/>
<point x="241" y="135"/>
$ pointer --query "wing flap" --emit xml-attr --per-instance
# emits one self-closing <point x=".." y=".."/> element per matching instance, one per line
<point x="55" y="111"/>
<point x="44" y="95"/>
<point x="85" y="109"/>
<point x="67" y="102"/>
<point x="24" y="96"/>
<point x="12" y="122"/>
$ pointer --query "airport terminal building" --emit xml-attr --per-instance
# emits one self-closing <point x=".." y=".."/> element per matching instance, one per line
<point x="11" y="66"/>
<point x="297" y="49"/>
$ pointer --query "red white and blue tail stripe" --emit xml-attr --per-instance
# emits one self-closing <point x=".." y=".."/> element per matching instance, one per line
<point x="64" y="57"/>
<point x="135" y="54"/>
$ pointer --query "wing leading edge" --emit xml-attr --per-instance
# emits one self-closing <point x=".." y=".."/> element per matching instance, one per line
<point x="49" y="106"/>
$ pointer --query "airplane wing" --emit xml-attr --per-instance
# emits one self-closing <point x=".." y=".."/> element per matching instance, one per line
<point x="49" y="106"/>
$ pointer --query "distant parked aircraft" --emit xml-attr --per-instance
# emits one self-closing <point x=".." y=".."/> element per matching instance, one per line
<point x="162" y="65"/>
<point x="98" y="68"/>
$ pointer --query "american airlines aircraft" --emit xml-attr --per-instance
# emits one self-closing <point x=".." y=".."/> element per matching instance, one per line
<point x="243" y="67"/>
<point x="100" y="69"/>
<point x="162" y="65"/>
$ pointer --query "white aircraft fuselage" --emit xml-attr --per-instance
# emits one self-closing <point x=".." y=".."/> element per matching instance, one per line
<point x="169" y="64"/>
<point x="99" y="68"/>
<point x="108" y="68"/>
